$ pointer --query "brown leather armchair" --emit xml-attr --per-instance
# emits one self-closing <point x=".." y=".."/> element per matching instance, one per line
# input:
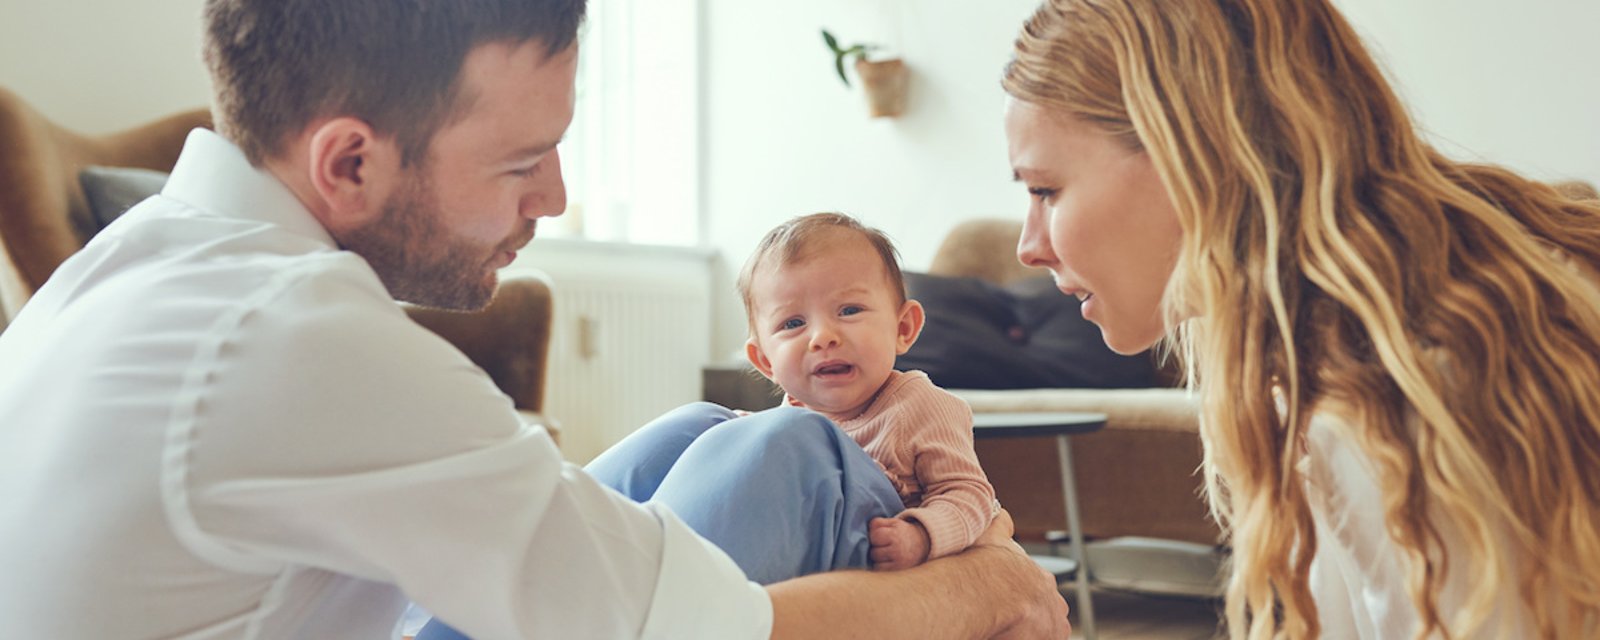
<point x="44" y="218"/>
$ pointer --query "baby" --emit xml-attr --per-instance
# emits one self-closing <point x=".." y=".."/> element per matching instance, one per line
<point x="828" y="314"/>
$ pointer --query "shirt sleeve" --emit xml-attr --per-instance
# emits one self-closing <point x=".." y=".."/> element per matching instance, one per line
<point x="326" y="431"/>
<point x="957" y="499"/>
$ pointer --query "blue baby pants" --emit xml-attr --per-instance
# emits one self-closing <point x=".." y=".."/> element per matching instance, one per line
<point x="784" y="492"/>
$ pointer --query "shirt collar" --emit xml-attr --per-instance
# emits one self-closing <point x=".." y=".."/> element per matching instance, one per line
<point x="213" y="175"/>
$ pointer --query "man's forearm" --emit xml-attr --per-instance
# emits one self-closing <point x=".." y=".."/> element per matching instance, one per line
<point x="967" y="595"/>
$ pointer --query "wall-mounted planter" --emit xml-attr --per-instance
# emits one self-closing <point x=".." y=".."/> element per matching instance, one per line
<point x="886" y="83"/>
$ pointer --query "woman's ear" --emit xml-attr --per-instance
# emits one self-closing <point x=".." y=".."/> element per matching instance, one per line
<point x="909" y="326"/>
<point x="351" y="170"/>
<point x="753" y="352"/>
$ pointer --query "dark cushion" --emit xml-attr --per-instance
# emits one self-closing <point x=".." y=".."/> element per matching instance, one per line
<point x="1071" y="348"/>
<point x="112" y="190"/>
<point x="1025" y="336"/>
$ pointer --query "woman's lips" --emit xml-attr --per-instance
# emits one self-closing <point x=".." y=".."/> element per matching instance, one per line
<point x="1081" y="294"/>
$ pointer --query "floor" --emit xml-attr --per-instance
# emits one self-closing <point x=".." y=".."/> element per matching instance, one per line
<point x="1124" y="616"/>
<point x="1121" y="615"/>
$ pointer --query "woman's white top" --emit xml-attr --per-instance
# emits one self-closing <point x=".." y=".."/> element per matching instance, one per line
<point x="1358" y="576"/>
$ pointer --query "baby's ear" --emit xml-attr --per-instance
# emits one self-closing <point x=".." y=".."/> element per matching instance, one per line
<point x="909" y="326"/>
<point x="753" y="352"/>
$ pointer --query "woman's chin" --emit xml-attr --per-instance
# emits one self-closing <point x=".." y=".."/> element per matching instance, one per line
<point x="1126" y="344"/>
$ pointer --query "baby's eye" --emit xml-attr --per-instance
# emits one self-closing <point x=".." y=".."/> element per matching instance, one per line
<point x="850" y="310"/>
<point x="792" y="323"/>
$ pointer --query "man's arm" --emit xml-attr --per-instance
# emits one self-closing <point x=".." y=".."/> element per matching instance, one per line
<point x="990" y="590"/>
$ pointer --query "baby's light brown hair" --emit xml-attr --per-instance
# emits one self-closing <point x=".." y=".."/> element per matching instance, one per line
<point x="789" y="241"/>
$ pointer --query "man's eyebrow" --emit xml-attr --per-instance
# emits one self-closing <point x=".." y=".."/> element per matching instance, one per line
<point x="530" y="151"/>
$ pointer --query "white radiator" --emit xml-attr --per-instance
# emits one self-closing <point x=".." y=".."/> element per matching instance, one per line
<point x="632" y="329"/>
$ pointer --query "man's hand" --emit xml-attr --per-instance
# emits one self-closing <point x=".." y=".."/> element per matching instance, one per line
<point x="897" y="544"/>
<point x="1043" y="612"/>
<point x="991" y="590"/>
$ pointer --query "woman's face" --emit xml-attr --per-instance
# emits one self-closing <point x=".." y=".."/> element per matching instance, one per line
<point x="1099" y="219"/>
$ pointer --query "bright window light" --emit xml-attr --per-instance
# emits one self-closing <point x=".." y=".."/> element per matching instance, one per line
<point x="631" y="158"/>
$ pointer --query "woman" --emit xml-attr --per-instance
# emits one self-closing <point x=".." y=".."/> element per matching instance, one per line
<point x="1395" y="353"/>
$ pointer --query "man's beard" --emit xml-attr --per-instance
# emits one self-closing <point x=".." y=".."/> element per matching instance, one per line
<point x="419" y="259"/>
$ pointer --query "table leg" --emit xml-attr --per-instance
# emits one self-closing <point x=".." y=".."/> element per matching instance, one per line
<point x="1069" y="489"/>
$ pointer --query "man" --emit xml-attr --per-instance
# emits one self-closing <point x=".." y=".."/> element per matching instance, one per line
<point x="218" y="424"/>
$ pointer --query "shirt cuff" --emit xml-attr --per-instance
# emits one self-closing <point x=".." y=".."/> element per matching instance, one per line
<point x="700" y="592"/>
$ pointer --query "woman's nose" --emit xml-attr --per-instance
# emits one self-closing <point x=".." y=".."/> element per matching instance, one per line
<point x="1033" y="248"/>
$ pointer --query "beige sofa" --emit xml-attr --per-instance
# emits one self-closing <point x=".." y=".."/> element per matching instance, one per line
<point x="1137" y="477"/>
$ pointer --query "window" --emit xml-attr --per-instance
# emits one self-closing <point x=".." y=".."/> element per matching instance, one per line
<point x="631" y="158"/>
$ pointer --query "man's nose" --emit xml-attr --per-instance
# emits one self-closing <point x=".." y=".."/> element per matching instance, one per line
<point x="548" y="196"/>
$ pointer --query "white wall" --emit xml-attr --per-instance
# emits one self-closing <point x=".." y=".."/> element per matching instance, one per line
<point x="1511" y="82"/>
<point x="99" y="66"/>
<point x="1516" y="83"/>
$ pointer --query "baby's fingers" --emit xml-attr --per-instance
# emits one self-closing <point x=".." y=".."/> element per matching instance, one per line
<point x="881" y="535"/>
<point x="886" y="559"/>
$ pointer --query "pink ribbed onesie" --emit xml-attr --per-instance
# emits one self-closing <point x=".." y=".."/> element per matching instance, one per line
<point x="922" y="437"/>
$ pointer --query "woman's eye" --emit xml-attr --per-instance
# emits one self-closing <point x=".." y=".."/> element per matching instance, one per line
<point x="1042" y="194"/>
<point x="528" y="172"/>
<point x="792" y="323"/>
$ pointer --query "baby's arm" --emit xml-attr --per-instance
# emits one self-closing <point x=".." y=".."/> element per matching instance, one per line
<point x="957" y="500"/>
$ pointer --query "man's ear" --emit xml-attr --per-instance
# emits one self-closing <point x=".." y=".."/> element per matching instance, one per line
<point x="352" y="170"/>
<point x="753" y="352"/>
<point x="908" y="327"/>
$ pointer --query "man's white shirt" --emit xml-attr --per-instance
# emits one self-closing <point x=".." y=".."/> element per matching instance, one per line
<point x="216" y="424"/>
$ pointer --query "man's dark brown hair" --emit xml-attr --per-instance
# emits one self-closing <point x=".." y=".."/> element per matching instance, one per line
<point x="277" y="65"/>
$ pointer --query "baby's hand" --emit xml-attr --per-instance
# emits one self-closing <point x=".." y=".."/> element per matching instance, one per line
<point x="897" y="544"/>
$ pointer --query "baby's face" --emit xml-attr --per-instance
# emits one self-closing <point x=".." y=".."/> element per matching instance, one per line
<point x="828" y="326"/>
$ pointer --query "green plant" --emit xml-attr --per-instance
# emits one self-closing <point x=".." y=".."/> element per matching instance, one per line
<point x="859" y="50"/>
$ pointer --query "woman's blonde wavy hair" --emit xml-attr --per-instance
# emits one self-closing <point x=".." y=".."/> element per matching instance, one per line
<point x="1445" y="312"/>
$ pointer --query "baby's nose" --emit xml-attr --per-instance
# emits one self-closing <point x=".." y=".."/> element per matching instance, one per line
<point x="823" y="336"/>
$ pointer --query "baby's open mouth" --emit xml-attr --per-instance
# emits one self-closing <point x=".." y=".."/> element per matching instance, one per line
<point x="834" y="369"/>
